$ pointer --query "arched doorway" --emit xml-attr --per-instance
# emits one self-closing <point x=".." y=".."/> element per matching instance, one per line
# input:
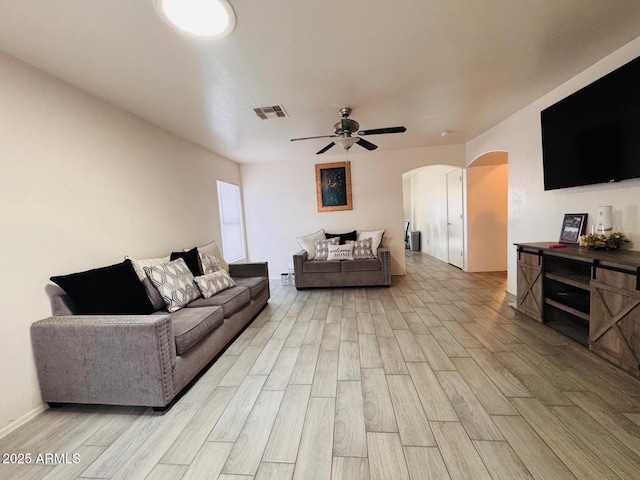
<point x="487" y="214"/>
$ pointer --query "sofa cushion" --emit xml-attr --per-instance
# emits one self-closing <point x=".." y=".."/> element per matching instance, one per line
<point x="115" y="289"/>
<point x="175" y="283"/>
<point x="322" y="266"/>
<point x="191" y="258"/>
<point x="231" y="300"/>
<point x="256" y="285"/>
<point x="190" y="325"/>
<point x="365" y="265"/>
<point x="213" y="283"/>
<point x="308" y="242"/>
<point x="322" y="247"/>
<point x="344" y="237"/>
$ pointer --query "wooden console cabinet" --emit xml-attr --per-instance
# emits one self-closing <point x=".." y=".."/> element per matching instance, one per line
<point x="592" y="296"/>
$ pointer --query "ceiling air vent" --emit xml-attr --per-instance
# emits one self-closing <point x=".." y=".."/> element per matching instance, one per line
<point x="271" y="111"/>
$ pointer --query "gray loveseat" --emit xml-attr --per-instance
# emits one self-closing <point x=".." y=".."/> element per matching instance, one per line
<point x="143" y="360"/>
<point x="342" y="273"/>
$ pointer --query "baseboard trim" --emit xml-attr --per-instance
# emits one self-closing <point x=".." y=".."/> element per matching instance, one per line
<point x="15" y="424"/>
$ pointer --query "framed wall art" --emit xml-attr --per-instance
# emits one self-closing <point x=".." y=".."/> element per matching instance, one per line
<point x="573" y="225"/>
<point x="333" y="186"/>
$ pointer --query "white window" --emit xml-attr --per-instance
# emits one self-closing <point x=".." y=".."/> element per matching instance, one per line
<point x="231" y="221"/>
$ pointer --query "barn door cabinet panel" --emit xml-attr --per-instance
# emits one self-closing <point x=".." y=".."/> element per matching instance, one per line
<point x="591" y="296"/>
<point x="530" y="300"/>
<point x="614" y="330"/>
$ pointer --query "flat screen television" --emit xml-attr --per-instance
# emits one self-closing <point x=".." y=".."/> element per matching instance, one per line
<point x="593" y="135"/>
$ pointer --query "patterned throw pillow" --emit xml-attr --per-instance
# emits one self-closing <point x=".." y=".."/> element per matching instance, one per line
<point x="215" y="282"/>
<point x="340" y="252"/>
<point x="175" y="283"/>
<point x="152" y="291"/>
<point x="361" y="249"/>
<point x="210" y="263"/>
<point x="375" y="236"/>
<point x="322" y="247"/>
<point x="213" y="249"/>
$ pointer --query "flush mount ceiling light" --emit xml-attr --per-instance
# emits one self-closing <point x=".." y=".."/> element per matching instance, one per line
<point x="203" y="18"/>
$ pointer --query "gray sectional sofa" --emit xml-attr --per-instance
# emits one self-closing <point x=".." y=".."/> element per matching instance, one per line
<point x="144" y="359"/>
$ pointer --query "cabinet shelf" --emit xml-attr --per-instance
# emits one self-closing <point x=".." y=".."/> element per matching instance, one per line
<point x="567" y="321"/>
<point x="566" y="308"/>
<point x="570" y="278"/>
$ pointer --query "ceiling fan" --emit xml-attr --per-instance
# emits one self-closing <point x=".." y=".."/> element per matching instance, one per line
<point x="346" y="133"/>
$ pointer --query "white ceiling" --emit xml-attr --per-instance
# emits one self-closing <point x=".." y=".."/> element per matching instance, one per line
<point x="431" y="65"/>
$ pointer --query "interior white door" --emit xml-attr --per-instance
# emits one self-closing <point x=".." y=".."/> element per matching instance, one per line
<point x="455" y="220"/>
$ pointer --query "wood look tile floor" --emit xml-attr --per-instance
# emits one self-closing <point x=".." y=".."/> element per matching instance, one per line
<point x="436" y="377"/>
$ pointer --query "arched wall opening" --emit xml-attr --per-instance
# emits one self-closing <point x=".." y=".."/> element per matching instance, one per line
<point x="486" y="215"/>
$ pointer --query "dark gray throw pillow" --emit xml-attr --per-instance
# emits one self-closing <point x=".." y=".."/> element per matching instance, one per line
<point x="191" y="258"/>
<point x="115" y="289"/>
<point x="343" y="236"/>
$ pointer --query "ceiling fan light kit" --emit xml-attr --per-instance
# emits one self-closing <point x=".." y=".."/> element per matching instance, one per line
<point x="347" y="133"/>
<point x="202" y="18"/>
<point x="345" y="142"/>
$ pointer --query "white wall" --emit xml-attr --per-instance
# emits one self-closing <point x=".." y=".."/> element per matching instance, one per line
<point x="84" y="184"/>
<point x="486" y="214"/>
<point x="406" y="197"/>
<point x="280" y="201"/>
<point x="536" y="215"/>
<point x="428" y="187"/>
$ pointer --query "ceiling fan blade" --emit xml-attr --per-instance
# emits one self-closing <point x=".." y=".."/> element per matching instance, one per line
<point x="325" y="148"/>
<point x="378" y="131"/>
<point x="310" y="138"/>
<point x="368" y="145"/>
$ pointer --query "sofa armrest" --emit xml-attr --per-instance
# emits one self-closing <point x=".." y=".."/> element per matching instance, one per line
<point x="255" y="269"/>
<point x="384" y="255"/>
<point x="298" y="260"/>
<point x="300" y="257"/>
<point x="112" y="359"/>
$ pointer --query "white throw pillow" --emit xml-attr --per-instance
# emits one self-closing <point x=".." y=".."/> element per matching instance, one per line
<point x="215" y="282"/>
<point x="340" y="252"/>
<point x="308" y="242"/>
<point x="175" y="283"/>
<point x="322" y="247"/>
<point x="374" y="235"/>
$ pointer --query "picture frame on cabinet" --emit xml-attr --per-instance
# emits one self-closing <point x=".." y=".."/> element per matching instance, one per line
<point x="573" y="226"/>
